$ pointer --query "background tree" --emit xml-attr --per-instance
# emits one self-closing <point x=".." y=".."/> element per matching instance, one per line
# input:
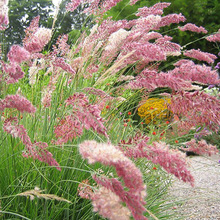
<point x="23" y="11"/>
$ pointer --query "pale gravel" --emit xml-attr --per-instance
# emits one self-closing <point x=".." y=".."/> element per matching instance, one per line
<point x="201" y="202"/>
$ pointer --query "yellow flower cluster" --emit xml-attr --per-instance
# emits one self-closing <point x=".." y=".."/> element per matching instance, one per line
<point x="155" y="109"/>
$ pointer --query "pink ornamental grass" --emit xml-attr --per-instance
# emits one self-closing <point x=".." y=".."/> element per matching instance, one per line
<point x="170" y="19"/>
<point x="193" y="28"/>
<point x="133" y="200"/>
<point x="37" y="150"/>
<point x="73" y="5"/>
<point x="170" y="48"/>
<point x="112" y="48"/>
<point x="97" y="92"/>
<point x="100" y="7"/>
<point x="199" y="108"/>
<point x="18" y="102"/>
<point x="200" y="55"/>
<point x="37" y="40"/>
<point x="107" y="5"/>
<point x="89" y="115"/>
<point x="101" y="33"/>
<point x="189" y="71"/>
<point x="42" y="154"/>
<point x="214" y="37"/>
<point x="145" y="24"/>
<point x="61" y="48"/>
<point x="151" y="80"/>
<point x="33" y="27"/>
<point x="109" y="155"/>
<point x="18" y="54"/>
<point x="83" y="116"/>
<point x="132" y="2"/>
<point x="13" y="72"/>
<point x="47" y="97"/>
<point x="67" y="129"/>
<point x="200" y="147"/>
<point x="156" y="9"/>
<point x="60" y="62"/>
<point x="95" y="6"/>
<point x="173" y="161"/>
<point x="146" y="53"/>
<point x="149" y="36"/>
<point x="12" y="127"/>
<point x="109" y="205"/>
<point x="184" y="125"/>
<point x="4" y="20"/>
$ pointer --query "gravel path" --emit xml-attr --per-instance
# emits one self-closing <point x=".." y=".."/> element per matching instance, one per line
<point x="201" y="202"/>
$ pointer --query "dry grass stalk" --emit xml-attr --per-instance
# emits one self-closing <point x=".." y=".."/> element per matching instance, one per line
<point x="38" y="193"/>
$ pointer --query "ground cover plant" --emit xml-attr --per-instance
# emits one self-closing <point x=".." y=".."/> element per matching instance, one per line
<point x="93" y="129"/>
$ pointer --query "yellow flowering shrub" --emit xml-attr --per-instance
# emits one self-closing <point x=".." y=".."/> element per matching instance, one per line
<point x="155" y="109"/>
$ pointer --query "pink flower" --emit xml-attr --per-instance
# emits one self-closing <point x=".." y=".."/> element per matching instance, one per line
<point x="199" y="55"/>
<point x="214" y="37"/>
<point x="201" y="147"/>
<point x="188" y="70"/>
<point x="18" y="54"/>
<point x="107" y="5"/>
<point x="36" y="150"/>
<point x="170" y="19"/>
<point x="42" y="154"/>
<point x="132" y="2"/>
<point x="4" y="20"/>
<point x="172" y="161"/>
<point x="91" y="69"/>
<point x="150" y="36"/>
<point x="83" y="115"/>
<point x="109" y="205"/>
<point x="18" y="102"/>
<point x="145" y="24"/>
<point x="109" y="155"/>
<point x="60" y="62"/>
<point x="151" y="80"/>
<point x="13" y="72"/>
<point x="61" y="48"/>
<point x="193" y="28"/>
<point x="198" y="108"/>
<point x="156" y="9"/>
<point x="133" y="199"/>
<point x="46" y="99"/>
<point x="100" y="7"/>
<point x="73" y="5"/>
<point x="37" y="40"/>
<point x="29" y="31"/>
<point x="114" y="43"/>
<point x="146" y="52"/>
<point x="18" y="131"/>
<point x="67" y="129"/>
<point x="97" y="92"/>
<point x="169" y="47"/>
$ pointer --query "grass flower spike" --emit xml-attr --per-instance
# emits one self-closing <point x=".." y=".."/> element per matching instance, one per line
<point x="109" y="155"/>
